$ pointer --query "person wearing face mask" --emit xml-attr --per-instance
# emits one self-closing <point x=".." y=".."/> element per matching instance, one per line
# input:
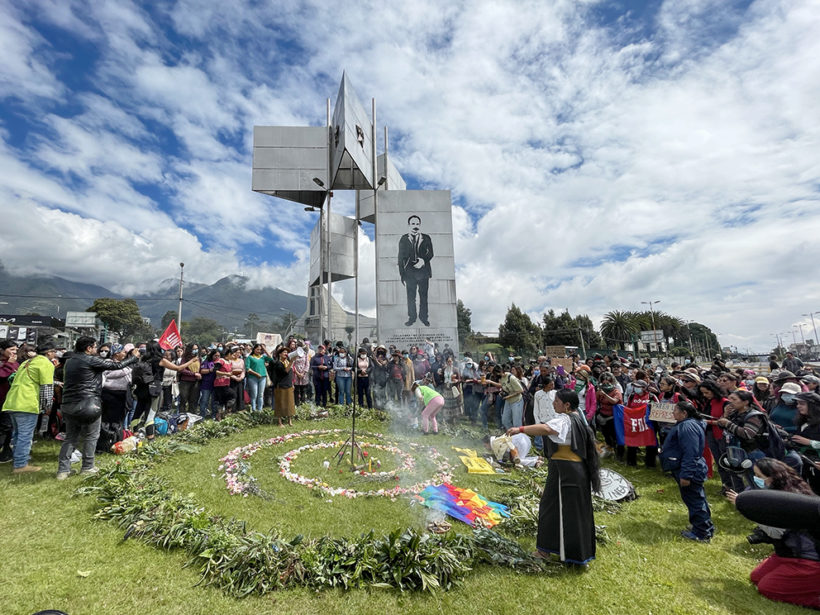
<point x="189" y="380"/>
<point x="784" y="411"/>
<point x="364" y="367"/>
<point x="608" y="396"/>
<point x="585" y="389"/>
<point x="792" y="573"/>
<point x="639" y="396"/>
<point x="343" y="367"/>
<point x="104" y="351"/>
<point x="682" y="455"/>
<point x="301" y="374"/>
<point x="395" y="378"/>
<point x="320" y="366"/>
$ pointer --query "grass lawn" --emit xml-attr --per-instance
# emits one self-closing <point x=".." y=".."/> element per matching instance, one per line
<point x="55" y="556"/>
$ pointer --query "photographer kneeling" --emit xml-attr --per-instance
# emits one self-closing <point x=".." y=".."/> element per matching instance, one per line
<point x="792" y="573"/>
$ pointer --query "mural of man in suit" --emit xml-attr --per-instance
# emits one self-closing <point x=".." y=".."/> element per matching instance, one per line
<point x="415" y="254"/>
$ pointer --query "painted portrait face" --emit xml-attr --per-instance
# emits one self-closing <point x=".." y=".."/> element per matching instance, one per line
<point x="414" y="223"/>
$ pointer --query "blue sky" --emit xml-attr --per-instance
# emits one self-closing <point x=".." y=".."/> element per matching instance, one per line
<point x="600" y="154"/>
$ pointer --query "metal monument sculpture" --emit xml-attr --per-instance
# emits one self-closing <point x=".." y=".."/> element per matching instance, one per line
<point x="415" y="266"/>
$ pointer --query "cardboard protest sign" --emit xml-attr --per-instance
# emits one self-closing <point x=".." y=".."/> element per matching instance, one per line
<point x="662" y="412"/>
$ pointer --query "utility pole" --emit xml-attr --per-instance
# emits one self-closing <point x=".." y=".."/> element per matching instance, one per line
<point x="811" y="315"/>
<point x="179" y="309"/>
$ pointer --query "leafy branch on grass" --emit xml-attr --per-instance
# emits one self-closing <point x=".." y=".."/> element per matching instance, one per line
<point x="243" y="562"/>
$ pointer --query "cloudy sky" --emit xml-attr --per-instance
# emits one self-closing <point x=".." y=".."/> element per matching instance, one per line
<point x="599" y="154"/>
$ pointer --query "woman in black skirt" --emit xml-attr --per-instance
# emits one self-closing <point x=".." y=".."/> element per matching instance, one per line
<point x="566" y="525"/>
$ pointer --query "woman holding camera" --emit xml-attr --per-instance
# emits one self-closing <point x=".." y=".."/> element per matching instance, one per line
<point x="792" y="573"/>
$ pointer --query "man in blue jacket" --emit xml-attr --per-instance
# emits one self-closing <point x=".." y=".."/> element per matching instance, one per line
<point x="682" y="455"/>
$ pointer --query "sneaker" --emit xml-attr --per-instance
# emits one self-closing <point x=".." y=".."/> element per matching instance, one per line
<point x="26" y="469"/>
<point x="690" y="535"/>
<point x="90" y="471"/>
<point x="5" y="459"/>
<point x="63" y="475"/>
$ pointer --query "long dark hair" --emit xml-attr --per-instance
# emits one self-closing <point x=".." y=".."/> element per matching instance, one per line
<point x="761" y="396"/>
<point x="673" y="383"/>
<point x="783" y="477"/>
<point x="813" y="403"/>
<point x="153" y="352"/>
<point x="591" y="460"/>
<point x="211" y="354"/>
<point x="712" y="387"/>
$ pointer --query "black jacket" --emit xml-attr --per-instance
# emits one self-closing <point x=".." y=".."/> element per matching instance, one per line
<point x="83" y="376"/>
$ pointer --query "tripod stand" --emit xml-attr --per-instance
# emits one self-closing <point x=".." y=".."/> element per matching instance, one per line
<point x="355" y="449"/>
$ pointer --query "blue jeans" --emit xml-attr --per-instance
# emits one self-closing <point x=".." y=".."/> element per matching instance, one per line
<point x="343" y="386"/>
<point x="206" y="397"/>
<point x="129" y="415"/>
<point x="500" y="402"/>
<point x="256" y="391"/>
<point x="24" y="425"/>
<point x="513" y="415"/>
<point x="699" y="514"/>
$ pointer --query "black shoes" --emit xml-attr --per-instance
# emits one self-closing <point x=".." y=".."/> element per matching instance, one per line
<point x="426" y="322"/>
<point x="409" y="322"/>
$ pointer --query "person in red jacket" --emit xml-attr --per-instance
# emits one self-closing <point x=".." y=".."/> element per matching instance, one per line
<point x="713" y="403"/>
<point x="608" y="396"/>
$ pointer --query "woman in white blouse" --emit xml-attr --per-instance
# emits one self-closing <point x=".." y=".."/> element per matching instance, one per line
<point x="566" y="525"/>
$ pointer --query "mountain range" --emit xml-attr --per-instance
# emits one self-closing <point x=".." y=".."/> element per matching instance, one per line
<point x="228" y="301"/>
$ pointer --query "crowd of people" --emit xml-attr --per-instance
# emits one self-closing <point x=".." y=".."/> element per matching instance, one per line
<point x="756" y="430"/>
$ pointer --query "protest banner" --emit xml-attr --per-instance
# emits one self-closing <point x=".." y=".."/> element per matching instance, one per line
<point x="171" y="338"/>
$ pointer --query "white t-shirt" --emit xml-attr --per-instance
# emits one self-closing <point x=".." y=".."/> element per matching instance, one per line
<point x="542" y="406"/>
<point x="561" y="423"/>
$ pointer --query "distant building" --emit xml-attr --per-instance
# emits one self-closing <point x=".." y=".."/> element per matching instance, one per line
<point x="310" y="321"/>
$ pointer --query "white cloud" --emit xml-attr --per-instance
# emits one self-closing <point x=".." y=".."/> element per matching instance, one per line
<point x="595" y="167"/>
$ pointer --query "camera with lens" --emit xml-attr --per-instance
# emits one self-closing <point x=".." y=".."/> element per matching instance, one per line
<point x="759" y="537"/>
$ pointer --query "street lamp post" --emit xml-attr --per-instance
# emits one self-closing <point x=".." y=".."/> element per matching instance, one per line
<point x="652" y="314"/>
<point x="811" y="315"/>
<point x="802" y="337"/>
<point x="179" y="310"/>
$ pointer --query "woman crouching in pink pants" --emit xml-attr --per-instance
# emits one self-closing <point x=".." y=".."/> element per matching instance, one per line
<point x="432" y="401"/>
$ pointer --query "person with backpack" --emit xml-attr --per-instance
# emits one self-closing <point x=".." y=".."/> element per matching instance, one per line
<point x="115" y="397"/>
<point x="750" y="430"/>
<point x="147" y="375"/>
<point x="82" y="405"/>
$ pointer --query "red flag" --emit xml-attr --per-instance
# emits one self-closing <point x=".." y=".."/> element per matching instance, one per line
<point x="171" y="338"/>
<point x="637" y="430"/>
